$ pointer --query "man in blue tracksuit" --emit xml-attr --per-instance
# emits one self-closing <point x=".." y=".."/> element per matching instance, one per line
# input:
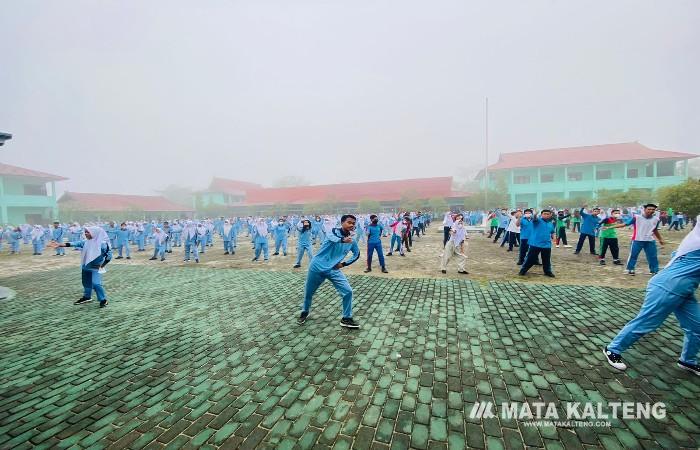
<point x="525" y="224"/>
<point x="326" y="265"/>
<point x="57" y="235"/>
<point x="123" y="241"/>
<point x="589" y="225"/>
<point x="540" y="244"/>
<point x="281" y="231"/>
<point x="304" y="242"/>
<point x="670" y="291"/>
<point x="503" y="219"/>
<point x="374" y="242"/>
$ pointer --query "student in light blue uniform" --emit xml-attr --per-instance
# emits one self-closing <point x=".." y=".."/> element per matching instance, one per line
<point x="96" y="253"/>
<point x="112" y="233"/>
<point x="316" y="226"/>
<point x="160" y="239"/>
<point x="168" y="230"/>
<point x="326" y="265"/>
<point x="227" y="233"/>
<point x="177" y="234"/>
<point x="670" y="291"/>
<point x="374" y="242"/>
<point x="37" y="237"/>
<point x="540" y="243"/>
<point x="589" y="227"/>
<point x="122" y="241"/>
<point x="260" y="239"/>
<point x="281" y="231"/>
<point x="140" y="237"/>
<point x="191" y="237"/>
<point x="14" y="240"/>
<point x="57" y="235"/>
<point x="304" y="242"/>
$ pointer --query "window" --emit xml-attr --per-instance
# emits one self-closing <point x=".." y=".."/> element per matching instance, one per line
<point x="632" y="173"/>
<point x="575" y="176"/>
<point x="650" y="170"/>
<point x="665" y="168"/>
<point x="34" y="189"/>
<point x="603" y="174"/>
<point x="546" y="178"/>
<point x="521" y="179"/>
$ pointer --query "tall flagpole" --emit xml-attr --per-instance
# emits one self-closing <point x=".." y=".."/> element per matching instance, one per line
<point x="486" y="168"/>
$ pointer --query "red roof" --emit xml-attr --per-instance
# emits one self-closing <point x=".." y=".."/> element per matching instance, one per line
<point x="629" y="151"/>
<point x="14" y="171"/>
<point x="353" y="192"/>
<point x="116" y="202"/>
<point x="233" y="187"/>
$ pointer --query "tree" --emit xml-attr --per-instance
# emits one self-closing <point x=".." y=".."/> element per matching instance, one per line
<point x="291" y="181"/>
<point x="683" y="197"/>
<point x="630" y="198"/>
<point x="437" y="205"/>
<point x="694" y="168"/>
<point x="368" y="205"/>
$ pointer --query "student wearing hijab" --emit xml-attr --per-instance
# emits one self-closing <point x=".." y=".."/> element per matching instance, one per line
<point x="160" y="238"/>
<point x="191" y="239"/>
<point x="670" y="291"/>
<point x="226" y="231"/>
<point x="14" y="239"/>
<point x="304" y="239"/>
<point x="37" y="237"/>
<point x="57" y="235"/>
<point x="140" y="237"/>
<point x="96" y="253"/>
<point x="456" y="246"/>
<point x="281" y="231"/>
<point x="123" y="241"/>
<point x="260" y="236"/>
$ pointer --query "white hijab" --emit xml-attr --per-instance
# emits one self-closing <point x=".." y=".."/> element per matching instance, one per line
<point x="261" y="227"/>
<point x="689" y="244"/>
<point x="93" y="247"/>
<point x="227" y="227"/>
<point x="37" y="232"/>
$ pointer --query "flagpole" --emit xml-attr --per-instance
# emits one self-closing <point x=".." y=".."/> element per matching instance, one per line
<point x="486" y="169"/>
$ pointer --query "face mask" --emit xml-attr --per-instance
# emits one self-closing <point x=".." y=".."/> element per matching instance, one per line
<point x="528" y="215"/>
<point x="503" y="211"/>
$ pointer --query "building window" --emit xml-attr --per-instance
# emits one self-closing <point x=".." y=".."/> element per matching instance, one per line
<point x="575" y="176"/>
<point x="603" y="174"/>
<point x="546" y="178"/>
<point x="665" y="168"/>
<point x="649" y="170"/>
<point x="521" y="179"/>
<point x="632" y="173"/>
<point x="34" y="189"/>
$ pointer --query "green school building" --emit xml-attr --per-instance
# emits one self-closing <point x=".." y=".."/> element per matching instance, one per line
<point x="27" y="196"/>
<point x="580" y="172"/>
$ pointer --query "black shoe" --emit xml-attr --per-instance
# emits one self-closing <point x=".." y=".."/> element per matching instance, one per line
<point x="443" y="271"/>
<point x="348" y="322"/>
<point x="226" y="253"/>
<point x="255" y="259"/>
<point x="302" y="318"/>
<point x="403" y="254"/>
<point x="233" y="253"/>
<point x="521" y="274"/>
<point x="549" y="274"/>
<point x="577" y="253"/>
<point x="152" y="259"/>
<point x="128" y="257"/>
<point x="197" y="261"/>
<point x="82" y="301"/>
<point x="284" y="254"/>
<point x="384" y="270"/>
<point x="104" y="303"/>
<point x="367" y="270"/>
<point x="519" y="263"/>
<point x="463" y="272"/>
<point x="296" y="266"/>
<point x="695" y="368"/>
<point x="617" y="262"/>
<point x="118" y="257"/>
<point x="614" y="359"/>
<point x="602" y="262"/>
<point x="408" y="250"/>
<point x="389" y="254"/>
<point x="275" y="254"/>
<point x="162" y="259"/>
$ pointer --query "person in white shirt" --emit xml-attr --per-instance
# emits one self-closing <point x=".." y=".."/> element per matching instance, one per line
<point x="456" y="246"/>
<point x="645" y="229"/>
<point x="447" y="226"/>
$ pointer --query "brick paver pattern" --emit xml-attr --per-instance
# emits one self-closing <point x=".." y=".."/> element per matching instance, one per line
<point x="207" y="358"/>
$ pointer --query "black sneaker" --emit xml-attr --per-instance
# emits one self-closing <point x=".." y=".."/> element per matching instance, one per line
<point x="82" y="301"/>
<point x="463" y="272"/>
<point x="549" y="274"/>
<point x="389" y="254"/>
<point x="275" y="254"/>
<point x="617" y="262"/>
<point x="302" y="318"/>
<point x="602" y="262"/>
<point x="367" y="270"/>
<point x="348" y="322"/>
<point x="162" y="259"/>
<point x="104" y="303"/>
<point x="152" y="259"/>
<point x="226" y="253"/>
<point x="614" y="359"/>
<point x="296" y="266"/>
<point x="118" y="257"/>
<point x="443" y="271"/>
<point x="630" y="272"/>
<point x="384" y="270"/>
<point x="695" y="368"/>
<point x="128" y="257"/>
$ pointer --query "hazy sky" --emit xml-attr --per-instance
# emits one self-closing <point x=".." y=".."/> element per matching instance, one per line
<point x="129" y="96"/>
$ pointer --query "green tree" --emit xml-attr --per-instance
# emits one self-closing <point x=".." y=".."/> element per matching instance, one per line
<point x="368" y="205"/>
<point x="683" y="197"/>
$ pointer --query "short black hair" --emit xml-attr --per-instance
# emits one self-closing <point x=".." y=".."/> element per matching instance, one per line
<point x="346" y="217"/>
<point x="123" y="223"/>
<point x="613" y="210"/>
<point x="372" y="216"/>
<point x="529" y="209"/>
<point x="546" y="210"/>
<point x="650" y="205"/>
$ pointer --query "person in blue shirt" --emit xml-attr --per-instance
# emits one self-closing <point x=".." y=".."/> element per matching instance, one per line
<point x="589" y="226"/>
<point x="540" y="243"/>
<point x="524" y="221"/>
<point x="670" y="291"/>
<point x="96" y="253"/>
<point x="326" y="265"/>
<point x="503" y="219"/>
<point x="281" y="231"/>
<point x="123" y="241"/>
<point x="57" y="235"/>
<point x="14" y="239"/>
<point x="227" y="233"/>
<point x="374" y="242"/>
<point x="112" y="233"/>
<point x="304" y="242"/>
<point x="260" y="236"/>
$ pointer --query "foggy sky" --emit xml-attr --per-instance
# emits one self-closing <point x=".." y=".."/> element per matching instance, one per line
<point x="129" y="96"/>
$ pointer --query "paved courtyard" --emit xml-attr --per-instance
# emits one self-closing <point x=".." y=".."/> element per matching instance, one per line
<point x="190" y="357"/>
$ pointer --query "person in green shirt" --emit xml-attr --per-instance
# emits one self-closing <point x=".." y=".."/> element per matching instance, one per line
<point x="561" y="229"/>
<point x="576" y="221"/>
<point x="608" y="237"/>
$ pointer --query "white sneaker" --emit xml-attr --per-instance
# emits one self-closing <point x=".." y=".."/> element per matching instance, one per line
<point x="567" y="246"/>
<point x="557" y="245"/>
<point x="614" y="359"/>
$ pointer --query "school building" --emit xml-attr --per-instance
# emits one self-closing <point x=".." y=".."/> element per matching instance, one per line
<point x="27" y="196"/>
<point x="80" y="206"/>
<point x="243" y="198"/>
<point x="580" y="172"/>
